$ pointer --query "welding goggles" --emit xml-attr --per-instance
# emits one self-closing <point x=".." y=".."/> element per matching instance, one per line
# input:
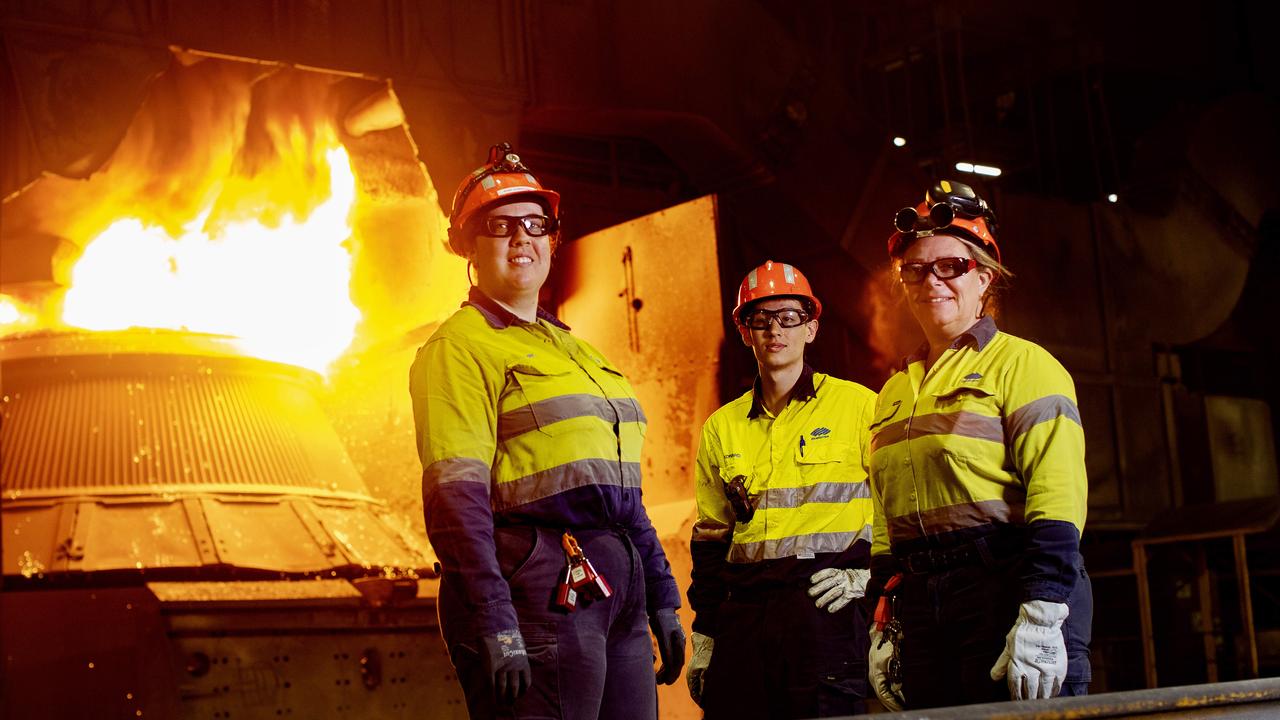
<point x="950" y="207"/>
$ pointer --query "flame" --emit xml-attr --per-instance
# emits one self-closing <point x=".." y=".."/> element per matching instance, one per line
<point x="15" y="316"/>
<point x="279" y="285"/>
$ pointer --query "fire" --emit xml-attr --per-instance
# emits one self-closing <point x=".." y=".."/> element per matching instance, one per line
<point x="278" y="285"/>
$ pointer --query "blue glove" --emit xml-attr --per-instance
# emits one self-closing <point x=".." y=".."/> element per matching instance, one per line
<point x="507" y="663"/>
<point x="666" y="628"/>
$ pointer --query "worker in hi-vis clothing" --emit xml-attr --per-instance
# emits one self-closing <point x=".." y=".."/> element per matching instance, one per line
<point x="782" y="538"/>
<point x="551" y="572"/>
<point x="978" y="476"/>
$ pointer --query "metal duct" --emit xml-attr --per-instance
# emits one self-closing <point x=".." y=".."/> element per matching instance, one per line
<point x="164" y="451"/>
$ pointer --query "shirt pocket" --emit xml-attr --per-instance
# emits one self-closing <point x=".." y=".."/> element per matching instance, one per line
<point x="969" y="411"/>
<point x="968" y="397"/>
<point x="820" y="456"/>
<point x="542" y="399"/>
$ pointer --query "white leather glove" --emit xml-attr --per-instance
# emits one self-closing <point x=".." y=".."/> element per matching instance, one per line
<point x="1035" y="655"/>
<point x="836" y="587"/>
<point x="878" y="673"/>
<point x="702" y="647"/>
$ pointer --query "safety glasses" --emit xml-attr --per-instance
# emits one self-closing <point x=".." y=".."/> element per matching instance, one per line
<point x="786" y="318"/>
<point x="947" y="268"/>
<point x="505" y="225"/>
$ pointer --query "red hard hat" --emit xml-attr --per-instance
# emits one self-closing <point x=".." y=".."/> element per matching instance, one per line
<point x="774" y="280"/>
<point x="949" y="208"/>
<point x="504" y="178"/>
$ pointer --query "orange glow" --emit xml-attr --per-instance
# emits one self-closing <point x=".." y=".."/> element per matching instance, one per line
<point x="15" y="316"/>
<point x="281" y="288"/>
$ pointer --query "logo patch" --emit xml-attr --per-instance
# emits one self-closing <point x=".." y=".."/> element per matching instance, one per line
<point x="730" y="456"/>
<point x="973" y="377"/>
<point x="820" y="432"/>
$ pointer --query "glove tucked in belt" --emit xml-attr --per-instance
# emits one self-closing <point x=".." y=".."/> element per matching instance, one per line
<point x="836" y="587"/>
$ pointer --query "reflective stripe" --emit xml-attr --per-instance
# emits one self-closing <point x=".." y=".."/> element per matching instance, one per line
<point x="514" y="423"/>
<point x="451" y="470"/>
<point x="711" y="530"/>
<point x="1050" y="407"/>
<point x="823" y="492"/>
<point x="553" y="481"/>
<point x="796" y="544"/>
<point x="965" y="424"/>
<point x="954" y="517"/>
<point x="890" y="434"/>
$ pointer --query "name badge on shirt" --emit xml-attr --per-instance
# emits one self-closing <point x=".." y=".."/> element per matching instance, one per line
<point x="806" y="555"/>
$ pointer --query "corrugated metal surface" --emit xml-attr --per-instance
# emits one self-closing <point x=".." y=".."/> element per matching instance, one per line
<point x="118" y="422"/>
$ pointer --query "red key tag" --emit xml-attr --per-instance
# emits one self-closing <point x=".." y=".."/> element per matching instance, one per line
<point x="578" y="575"/>
<point x="566" y="596"/>
<point x="600" y="586"/>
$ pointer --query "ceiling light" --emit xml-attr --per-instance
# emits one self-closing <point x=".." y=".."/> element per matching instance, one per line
<point x="899" y="141"/>
<point x="988" y="170"/>
<point x="1113" y="198"/>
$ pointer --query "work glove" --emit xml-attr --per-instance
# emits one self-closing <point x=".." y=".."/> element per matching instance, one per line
<point x="665" y="625"/>
<point x="836" y="587"/>
<point x="507" y="663"/>
<point x="890" y="694"/>
<point x="1035" y="655"/>
<point x="702" y="647"/>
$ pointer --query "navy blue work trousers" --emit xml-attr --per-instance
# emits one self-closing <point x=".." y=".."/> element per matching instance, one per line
<point x="777" y="656"/>
<point x="954" y="624"/>
<point x="596" y="662"/>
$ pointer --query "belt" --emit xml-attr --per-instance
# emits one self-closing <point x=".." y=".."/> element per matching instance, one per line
<point x="980" y="552"/>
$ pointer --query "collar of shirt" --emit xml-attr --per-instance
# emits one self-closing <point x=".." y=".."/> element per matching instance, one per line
<point x="978" y="335"/>
<point x="500" y="318"/>
<point x="802" y="391"/>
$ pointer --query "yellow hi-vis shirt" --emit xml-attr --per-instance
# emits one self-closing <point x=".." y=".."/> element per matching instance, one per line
<point x="990" y="436"/>
<point x="521" y="423"/>
<point x="805" y="470"/>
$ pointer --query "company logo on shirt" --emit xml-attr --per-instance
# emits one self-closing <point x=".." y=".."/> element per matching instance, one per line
<point x="819" y="433"/>
<point x="973" y="377"/>
<point x="730" y="456"/>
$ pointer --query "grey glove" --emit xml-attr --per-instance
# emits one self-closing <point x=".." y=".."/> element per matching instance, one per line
<point x="666" y="628"/>
<point x="1035" y="654"/>
<point x="702" y="649"/>
<point x="507" y="663"/>
<point x="836" y="587"/>
<point x="878" y="657"/>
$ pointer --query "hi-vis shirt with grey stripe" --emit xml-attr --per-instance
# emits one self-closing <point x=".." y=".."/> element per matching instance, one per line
<point x="990" y="435"/>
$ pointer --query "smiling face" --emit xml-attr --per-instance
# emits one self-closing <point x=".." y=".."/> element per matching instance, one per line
<point x="779" y="347"/>
<point x="512" y="270"/>
<point x="945" y="308"/>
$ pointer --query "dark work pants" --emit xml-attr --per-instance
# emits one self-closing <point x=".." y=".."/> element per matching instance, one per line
<point x="954" y="625"/>
<point x="596" y="662"/>
<point x="777" y="656"/>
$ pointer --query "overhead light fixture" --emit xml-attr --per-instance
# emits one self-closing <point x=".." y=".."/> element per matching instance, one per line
<point x="1113" y="198"/>
<point x="899" y="141"/>
<point x="988" y="170"/>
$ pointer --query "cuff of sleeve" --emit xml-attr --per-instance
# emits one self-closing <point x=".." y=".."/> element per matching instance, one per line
<point x="662" y="595"/>
<point x="496" y="617"/>
<point x="704" y="623"/>
<point x="1053" y="592"/>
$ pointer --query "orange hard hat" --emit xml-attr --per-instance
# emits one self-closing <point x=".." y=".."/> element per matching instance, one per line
<point x="950" y="208"/>
<point x="774" y="280"/>
<point x="504" y="178"/>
